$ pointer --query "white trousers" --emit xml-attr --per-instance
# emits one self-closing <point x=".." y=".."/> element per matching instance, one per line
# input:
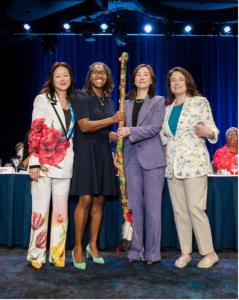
<point x="189" y="198"/>
<point x="42" y="191"/>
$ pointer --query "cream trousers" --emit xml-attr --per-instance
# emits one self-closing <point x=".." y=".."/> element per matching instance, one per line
<point x="189" y="198"/>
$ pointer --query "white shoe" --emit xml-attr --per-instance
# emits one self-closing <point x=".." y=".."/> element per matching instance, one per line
<point x="183" y="261"/>
<point x="208" y="261"/>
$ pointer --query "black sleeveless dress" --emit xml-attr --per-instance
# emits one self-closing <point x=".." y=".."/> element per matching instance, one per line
<point x="93" y="169"/>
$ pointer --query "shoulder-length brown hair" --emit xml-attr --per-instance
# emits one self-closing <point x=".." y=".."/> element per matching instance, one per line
<point x="190" y="83"/>
<point x="49" y="87"/>
<point x="152" y="88"/>
<point x="109" y="85"/>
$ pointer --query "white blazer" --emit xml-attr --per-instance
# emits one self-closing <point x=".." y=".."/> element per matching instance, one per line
<point x="186" y="153"/>
<point x="48" y="139"/>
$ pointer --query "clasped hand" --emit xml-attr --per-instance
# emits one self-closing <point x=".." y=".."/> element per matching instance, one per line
<point x="202" y="130"/>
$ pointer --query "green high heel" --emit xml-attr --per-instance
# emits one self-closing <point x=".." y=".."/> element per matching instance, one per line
<point x="96" y="260"/>
<point x="81" y="265"/>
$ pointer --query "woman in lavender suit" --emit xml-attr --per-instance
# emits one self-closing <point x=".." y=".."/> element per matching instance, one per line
<point x="144" y="164"/>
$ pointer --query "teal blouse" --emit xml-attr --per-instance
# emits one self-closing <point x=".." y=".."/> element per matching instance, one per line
<point x="174" y="117"/>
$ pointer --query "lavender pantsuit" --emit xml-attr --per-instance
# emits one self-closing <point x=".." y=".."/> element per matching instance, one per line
<point x="145" y="169"/>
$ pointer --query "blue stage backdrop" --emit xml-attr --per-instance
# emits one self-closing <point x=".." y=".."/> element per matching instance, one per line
<point x="212" y="60"/>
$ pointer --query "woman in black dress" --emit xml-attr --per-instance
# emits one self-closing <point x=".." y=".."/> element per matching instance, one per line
<point x="93" y="172"/>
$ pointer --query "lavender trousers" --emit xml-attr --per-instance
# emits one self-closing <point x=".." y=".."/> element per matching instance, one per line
<point x="144" y="191"/>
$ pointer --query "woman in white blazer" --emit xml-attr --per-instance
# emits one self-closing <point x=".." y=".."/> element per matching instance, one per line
<point x="188" y="123"/>
<point x="50" y="165"/>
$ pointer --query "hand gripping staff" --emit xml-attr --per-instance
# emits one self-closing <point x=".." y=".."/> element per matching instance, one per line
<point x="127" y="230"/>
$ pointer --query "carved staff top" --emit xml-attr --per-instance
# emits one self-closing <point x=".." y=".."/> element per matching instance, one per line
<point x="122" y="88"/>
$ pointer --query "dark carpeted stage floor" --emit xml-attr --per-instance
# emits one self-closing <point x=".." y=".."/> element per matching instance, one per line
<point x="117" y="278"/>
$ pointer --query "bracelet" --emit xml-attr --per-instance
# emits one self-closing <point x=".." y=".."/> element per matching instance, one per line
<point x="34" y="166"/>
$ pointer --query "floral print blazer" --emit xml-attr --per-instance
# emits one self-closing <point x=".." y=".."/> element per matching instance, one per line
<point x="186" y="153"/>
<point x="50" y="146"/>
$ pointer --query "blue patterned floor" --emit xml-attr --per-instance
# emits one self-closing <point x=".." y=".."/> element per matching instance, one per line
<point x="117" y="278"/>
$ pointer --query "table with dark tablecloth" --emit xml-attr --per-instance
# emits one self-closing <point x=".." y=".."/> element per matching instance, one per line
<point x="15" y="214"/>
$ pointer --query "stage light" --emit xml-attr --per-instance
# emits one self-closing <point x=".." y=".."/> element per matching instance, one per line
<point x="27" y="27"/>
<point x="227" y="29"/>
<point x="188" y="28"/>
<point x="104" y="27"/>
<point x="67" y="26"/>
<point x="148" y="28"/>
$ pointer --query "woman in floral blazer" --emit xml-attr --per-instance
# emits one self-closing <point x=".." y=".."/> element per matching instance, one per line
<point x="188" y="123"/>
<point x="50" y="165"/>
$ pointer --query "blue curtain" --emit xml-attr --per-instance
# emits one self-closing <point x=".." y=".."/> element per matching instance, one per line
<point x="212" y="60"/>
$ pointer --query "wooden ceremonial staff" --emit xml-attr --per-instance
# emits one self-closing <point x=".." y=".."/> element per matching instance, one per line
<point x="128" y="226"/>
<point x="127" y="231"/>
<point x="120" y="160"/>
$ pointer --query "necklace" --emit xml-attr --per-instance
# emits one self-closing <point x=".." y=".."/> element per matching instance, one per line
<point x="139" y="100"/>
<point x="101" y="102"/>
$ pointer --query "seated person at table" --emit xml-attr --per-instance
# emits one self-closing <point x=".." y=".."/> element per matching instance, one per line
<point x="22" y="153"/>
<point x="225" y="158"/>
<point x="16" y="160"/>
<point x="19" y="150"/>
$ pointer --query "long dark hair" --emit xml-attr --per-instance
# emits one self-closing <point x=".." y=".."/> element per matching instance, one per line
<point x="189" y="81"/>
<point x="109" y="85"/>
<point x="49" y="88"/>
<point x="152" y="90"/>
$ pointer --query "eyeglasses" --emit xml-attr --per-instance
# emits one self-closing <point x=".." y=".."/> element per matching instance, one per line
<point x="99" y="73"/>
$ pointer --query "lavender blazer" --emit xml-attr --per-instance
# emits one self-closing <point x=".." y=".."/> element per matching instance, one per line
<point x="145" y="136"/>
